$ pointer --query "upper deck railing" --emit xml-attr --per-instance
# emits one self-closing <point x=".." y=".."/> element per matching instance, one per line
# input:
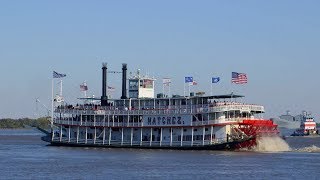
<point x="182" y="109"/>
<point x="106" y="123"/>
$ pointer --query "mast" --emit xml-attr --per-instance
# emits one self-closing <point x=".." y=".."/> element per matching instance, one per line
<point x="60" y="88"/>
<point x="52" y="132"/>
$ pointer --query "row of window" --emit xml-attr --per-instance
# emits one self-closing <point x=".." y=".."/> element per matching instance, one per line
<point x="157" y="138"/>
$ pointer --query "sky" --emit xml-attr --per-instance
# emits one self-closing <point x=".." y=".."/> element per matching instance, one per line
<point x="276" y="43"/>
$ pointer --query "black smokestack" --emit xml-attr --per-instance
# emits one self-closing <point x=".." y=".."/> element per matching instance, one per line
<point x="104" y="97"/>
<point x="124" y="81"/>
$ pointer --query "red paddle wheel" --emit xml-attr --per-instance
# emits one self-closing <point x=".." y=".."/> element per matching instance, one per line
<point x="256" y="128"/>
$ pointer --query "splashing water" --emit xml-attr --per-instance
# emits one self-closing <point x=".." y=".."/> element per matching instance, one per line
<point x="310" y="149"/>
<point x="271" y="144"/>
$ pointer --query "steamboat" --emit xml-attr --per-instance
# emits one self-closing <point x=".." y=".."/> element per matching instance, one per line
<point x="141" y="120"/>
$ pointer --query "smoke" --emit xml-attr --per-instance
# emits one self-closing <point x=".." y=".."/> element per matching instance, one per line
<point x="271" y="144"/>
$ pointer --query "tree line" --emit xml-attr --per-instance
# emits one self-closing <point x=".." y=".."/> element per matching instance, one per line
<point x="42" y="122"/>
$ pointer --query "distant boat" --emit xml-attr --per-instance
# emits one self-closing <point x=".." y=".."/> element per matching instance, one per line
<point x="284" y="123"/>
<point x="308" y="127"/>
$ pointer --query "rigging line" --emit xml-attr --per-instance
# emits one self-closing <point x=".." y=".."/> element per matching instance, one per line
<point x="69" y="95"/>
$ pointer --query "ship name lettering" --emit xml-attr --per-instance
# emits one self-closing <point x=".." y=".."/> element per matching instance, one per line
<point x="152" y="121"/>
<point x="179" y="120"/>
<point x="168" y="120"/>
<point x="174" y="121"/>
<point x="165" y="120"/>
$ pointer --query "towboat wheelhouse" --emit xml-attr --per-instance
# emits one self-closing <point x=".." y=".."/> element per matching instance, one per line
<point x="144" y="121"/>
<point x="307" y="126"/>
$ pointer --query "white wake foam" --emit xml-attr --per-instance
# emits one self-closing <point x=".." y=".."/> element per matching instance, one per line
<point x="310" y="149"/>
<point x="271" y="144"/>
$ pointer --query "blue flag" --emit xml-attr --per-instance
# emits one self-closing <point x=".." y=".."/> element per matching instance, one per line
<point x="188" y="79"/>
<point x="58" y="75"/>
<point x="215" y="79"/>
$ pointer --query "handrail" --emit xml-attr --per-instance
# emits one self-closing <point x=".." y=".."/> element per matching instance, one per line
<point x="113" y="123"/>
<point x="181" y="110"/>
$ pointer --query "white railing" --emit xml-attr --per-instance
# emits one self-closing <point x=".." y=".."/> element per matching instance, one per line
<point x="224" y="108"/>
<point x="180" y="110"/>
<point x="98" y="124"/>
<point x="140" y="124"/>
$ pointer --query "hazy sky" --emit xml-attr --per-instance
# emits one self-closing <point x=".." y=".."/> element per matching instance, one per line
<point x="275" y="42"/>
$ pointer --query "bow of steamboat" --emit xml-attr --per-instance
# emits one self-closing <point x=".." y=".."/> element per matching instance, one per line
<point x="144" y="121"/>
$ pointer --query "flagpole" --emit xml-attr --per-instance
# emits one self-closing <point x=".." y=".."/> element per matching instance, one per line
<point x="85" y="90"/>
<point x="231" y="87"/>
<point x="211" y="89"/>
<point x="52" y="132"/>
<point x="163" y="89"/>
<point x="189" y="89"/>
<point x="184" y="88"/>
<point x="169" y="90"/>
<point x="60" y="88"/>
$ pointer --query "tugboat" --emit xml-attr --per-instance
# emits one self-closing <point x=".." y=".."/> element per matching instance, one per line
<point x="308" y="127"/>
<point x="192" y="122"/>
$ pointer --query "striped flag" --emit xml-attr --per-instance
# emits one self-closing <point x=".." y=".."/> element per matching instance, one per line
<point x="58" y="75"/>
<point x="239" y="78"/>
<point x="166" y="81"/>
<point x="193" y="83"/>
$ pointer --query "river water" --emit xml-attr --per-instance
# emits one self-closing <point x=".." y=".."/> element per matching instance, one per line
<point x="24" y="156"/>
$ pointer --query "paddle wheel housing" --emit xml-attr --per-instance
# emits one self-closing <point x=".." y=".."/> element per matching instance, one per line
<point x="254" y="129"/>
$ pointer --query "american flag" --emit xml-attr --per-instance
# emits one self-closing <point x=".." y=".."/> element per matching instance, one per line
<point x="166" y="81"/>
<point x="239" y="78"/>
<point x="193" y="83"/>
